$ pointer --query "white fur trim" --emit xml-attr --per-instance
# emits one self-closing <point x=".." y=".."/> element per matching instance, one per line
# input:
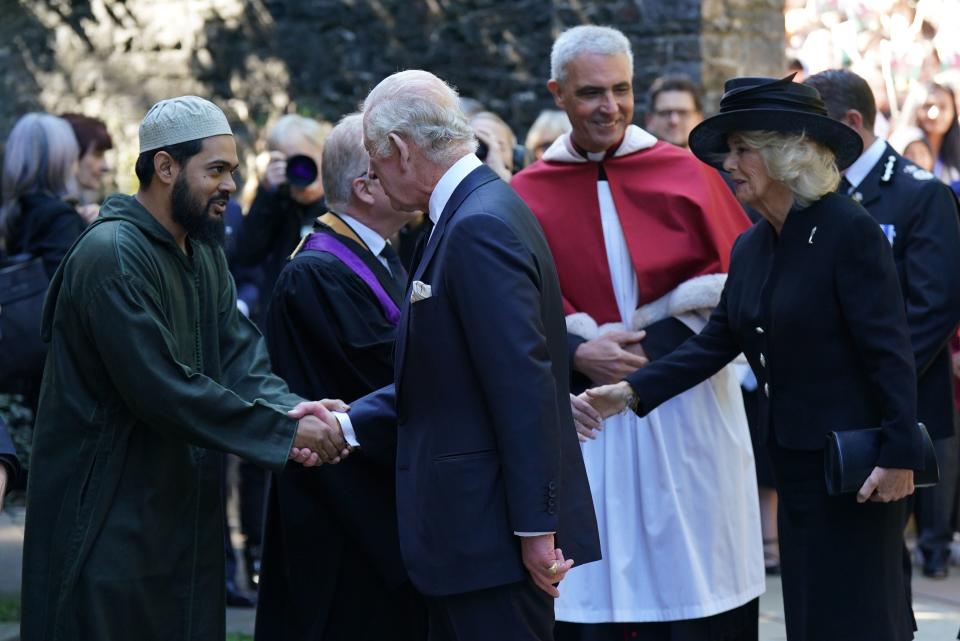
<point x="634" y="139"/>
<point x="700" y="294"/>
<point x="582" y="324"/>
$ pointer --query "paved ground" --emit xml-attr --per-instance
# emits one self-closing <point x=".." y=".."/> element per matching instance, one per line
<point x="936" y="603"/>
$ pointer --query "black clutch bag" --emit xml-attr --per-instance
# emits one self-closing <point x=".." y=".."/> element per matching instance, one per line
<point x="849" y="457"/>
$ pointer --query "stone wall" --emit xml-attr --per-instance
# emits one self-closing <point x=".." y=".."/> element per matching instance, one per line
<point x="261" y="58"/>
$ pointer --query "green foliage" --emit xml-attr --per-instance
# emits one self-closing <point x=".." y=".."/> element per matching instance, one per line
<point x="239" y="636"/>
<point x="19" y="420"/>
<point x="10" y="608"/>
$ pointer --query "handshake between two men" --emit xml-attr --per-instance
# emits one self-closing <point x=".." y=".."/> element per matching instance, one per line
<point x="319" y="439"/>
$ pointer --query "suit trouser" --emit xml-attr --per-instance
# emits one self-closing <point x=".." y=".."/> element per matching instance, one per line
<point x="514" y="612"/>
<point x="935" y="505"/>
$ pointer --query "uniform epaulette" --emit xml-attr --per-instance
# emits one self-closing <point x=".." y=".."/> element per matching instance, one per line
<point x="917" y="172"/>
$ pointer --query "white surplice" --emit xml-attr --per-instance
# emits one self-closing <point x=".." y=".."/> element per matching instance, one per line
<point x="675" y="492"/>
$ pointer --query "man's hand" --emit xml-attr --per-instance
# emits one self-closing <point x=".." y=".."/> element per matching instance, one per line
<point x="3" y="483"/>
<point x="608" y="400"/>
<point x="586" y="419"/>
<point x="956" y="364"/>
<point x="885" y="485"/>
<point x="544" y="562"/>
<point x="611" y="357"/>
<point x="319" y="438"/>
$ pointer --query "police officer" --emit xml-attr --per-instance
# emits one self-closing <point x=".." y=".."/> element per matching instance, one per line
<point x="919" y="216"/>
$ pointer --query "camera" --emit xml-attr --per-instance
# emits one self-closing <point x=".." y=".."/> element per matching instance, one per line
<point x="301" y="170"/>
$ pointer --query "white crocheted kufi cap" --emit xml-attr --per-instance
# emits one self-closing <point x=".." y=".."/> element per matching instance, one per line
<point x="176" y="120"/>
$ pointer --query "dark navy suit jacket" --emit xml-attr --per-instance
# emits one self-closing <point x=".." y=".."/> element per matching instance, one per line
<point x="918" y="214"/>
<point x="478" y="420"/>
<point x="819" y="315"/>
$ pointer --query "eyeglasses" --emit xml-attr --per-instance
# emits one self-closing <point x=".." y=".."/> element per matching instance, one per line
<point x="681" y="114"/>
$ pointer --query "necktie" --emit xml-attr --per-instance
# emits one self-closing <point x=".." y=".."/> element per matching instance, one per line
<point x="845" y="186"/>
<point x="421" y="245"/>
<point x="393" y="262"/>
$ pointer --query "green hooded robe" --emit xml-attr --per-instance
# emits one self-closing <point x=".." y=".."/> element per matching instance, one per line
<point x="150" y="367"/>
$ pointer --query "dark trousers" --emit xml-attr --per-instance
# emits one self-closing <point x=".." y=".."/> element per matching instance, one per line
<point x="514" y="612"/>
<point x="934" y="505"/>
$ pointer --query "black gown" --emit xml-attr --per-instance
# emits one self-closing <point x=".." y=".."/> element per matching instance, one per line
<point x="331" y="562"/>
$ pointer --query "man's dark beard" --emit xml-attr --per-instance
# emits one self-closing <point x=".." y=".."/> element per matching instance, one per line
<point x="193" y="215"/>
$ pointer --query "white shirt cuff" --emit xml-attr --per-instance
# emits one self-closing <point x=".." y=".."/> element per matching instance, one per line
<point x="347" y="428"/>
<point x="533" y="533"/>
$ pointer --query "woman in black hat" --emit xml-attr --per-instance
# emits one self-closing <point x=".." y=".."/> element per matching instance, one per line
<point x="812" y="300"/>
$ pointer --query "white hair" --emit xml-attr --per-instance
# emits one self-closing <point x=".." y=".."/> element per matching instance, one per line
<point x="806" y="166"/>
<point x="549" y="125"/>
<point x="40" y="157"/>
<point x="421" y="108"/>
<point x="586" y="39"/>
<point x="291" y="128"/>
<point x="344" y="160"/>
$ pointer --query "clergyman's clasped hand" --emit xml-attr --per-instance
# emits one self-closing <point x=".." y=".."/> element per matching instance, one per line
<point x="319" y="438"/>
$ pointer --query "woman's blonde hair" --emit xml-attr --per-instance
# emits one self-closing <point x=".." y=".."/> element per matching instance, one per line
<point x="807" y="167"/>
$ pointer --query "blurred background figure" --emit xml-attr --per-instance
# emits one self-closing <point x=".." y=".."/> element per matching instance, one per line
<point x="913" y="145"/>
<point x="937" y="118"/>
<point x="549" y="125"/>
<point x="674" y="108"/>
<point x="288" y="198"/>
<point x="39" y="172"/>
<point x="94" y="141"/>
<point x="497" y="144"/>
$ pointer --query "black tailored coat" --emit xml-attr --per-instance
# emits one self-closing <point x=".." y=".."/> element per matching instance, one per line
<point x="478" y="419"/>
<point x="918" y="214"/>
<point x="819" y="315"/>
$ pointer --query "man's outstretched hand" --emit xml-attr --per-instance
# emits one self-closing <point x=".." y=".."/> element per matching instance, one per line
<point x="319" y="438"/>
<point x="544" y="562"/>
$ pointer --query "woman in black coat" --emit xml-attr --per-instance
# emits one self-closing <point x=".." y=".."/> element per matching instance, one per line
<point x="39" y="172"/>
<point x="812" y="300"/>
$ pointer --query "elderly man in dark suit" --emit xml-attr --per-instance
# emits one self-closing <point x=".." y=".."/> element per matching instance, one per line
<point x="492" y="494"/>
<point x="918" y="214"/>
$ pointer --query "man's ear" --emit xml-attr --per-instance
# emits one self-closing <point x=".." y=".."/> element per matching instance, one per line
<point x="403" y="149"/>
<point x="853" y="119"/>
<point x="554" y="87"/>
<point x="361" y="190"/>
<point x="165" y="169"/>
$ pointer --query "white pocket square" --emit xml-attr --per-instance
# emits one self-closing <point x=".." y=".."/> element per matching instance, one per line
<point x="420" y="291"/>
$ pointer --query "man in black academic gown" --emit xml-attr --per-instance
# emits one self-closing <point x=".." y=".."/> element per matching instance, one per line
<point x="918" y="214"/>
<point x="331" y="565"/>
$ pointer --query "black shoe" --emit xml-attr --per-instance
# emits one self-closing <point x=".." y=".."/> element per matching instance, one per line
<point x="251" y="559"/>
<point x="237" y="599"/>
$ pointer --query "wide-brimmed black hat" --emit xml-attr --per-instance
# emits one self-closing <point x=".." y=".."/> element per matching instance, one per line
<point x="768" y="104"/>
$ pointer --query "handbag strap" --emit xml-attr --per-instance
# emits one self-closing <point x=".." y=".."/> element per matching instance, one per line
<point x="331" y="245"/>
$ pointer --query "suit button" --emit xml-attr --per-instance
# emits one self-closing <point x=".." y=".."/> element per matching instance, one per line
<point x="551" y="511"/>
<point x="552" y="485"/>
<point x="552" y="493"/>
<point x="763" y="360"/>
<point x="759" y="330"/>
<point x="766" y="389"/>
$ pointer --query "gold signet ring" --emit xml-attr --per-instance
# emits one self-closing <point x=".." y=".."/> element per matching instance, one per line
<point x="553" y="568"/>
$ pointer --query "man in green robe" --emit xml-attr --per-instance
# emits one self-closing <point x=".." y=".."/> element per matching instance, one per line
<point x="150" y="368"/>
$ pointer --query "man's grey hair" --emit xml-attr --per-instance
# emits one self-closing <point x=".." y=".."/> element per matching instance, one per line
<point x="585" y="39"/>
<point x="423" y="110"/>
<point x="292" y="128"/>
<point x="344" y="160"/>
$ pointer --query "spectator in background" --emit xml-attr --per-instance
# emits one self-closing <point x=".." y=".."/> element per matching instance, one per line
<point x="496" y="143"/>
<point x="9" y="464"/>
<point x="937" y="118"/>
<point x="281" y="212"/>
<point x="39" y="172"/>
<point x="674" y="109"/>
<point x="549" y="125"/>
<point x="94" y="141"/>
<point x="913" y="145"/>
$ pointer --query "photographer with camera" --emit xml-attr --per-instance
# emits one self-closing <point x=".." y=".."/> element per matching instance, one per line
<point x="289" y="198"/>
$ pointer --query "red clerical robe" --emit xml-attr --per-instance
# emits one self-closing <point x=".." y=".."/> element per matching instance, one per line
<point x="678" y="216"/>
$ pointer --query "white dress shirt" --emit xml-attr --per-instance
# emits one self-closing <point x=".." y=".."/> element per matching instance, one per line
<point x="374" y="241"/>
<point x="862" y="166"/>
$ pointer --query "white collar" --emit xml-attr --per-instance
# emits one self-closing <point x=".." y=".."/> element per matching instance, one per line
<point x="634" y="139"/>
<point x="448" y="184"/>
<point x="862" y="166"/>
<point x="374" y="241"/>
